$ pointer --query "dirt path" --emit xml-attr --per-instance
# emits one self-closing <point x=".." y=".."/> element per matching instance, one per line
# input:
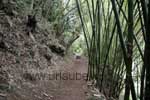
<point x="73" y="89"/>
<point x="60" y="89"/>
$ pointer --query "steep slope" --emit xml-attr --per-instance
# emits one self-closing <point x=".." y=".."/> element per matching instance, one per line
<point x="23" y="52"/>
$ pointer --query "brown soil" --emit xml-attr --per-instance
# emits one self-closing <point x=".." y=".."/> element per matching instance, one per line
<point x="74" y="89"/>
<point x="56" y="89"/>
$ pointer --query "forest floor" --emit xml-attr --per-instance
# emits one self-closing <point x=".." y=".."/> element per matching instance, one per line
<point x="74" y="89"/>
<point x="64" y="88"/>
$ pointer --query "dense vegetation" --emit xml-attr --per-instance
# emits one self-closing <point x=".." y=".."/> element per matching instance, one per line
<point x="60" y="15"/>
<point x="116" y="36"/>
<point x="118" y="45"/>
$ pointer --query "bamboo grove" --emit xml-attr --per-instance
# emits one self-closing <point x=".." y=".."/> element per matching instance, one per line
<point x="117" y="34"/>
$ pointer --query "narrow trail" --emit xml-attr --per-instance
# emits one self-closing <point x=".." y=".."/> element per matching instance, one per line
<point x="57" y="89"/>
<point x="73" y="89"/>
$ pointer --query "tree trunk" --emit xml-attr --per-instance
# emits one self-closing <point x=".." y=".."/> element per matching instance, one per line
<point x="147" y="56"/>
<point x="129" y="80"/>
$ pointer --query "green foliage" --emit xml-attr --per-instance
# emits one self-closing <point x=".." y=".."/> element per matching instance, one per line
<point x="61" y="14"/>
<point x="106" y="30"/>
<point x="79" y="47"/>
